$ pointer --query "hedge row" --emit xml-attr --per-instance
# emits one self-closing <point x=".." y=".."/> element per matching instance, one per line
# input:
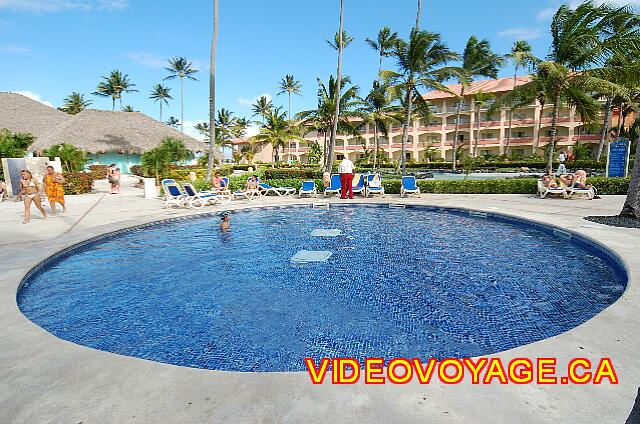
<point x="283" y="174"/>
<point x="507" y="186"/>
<point x="78" y="183"/>
<point x="99" y="172"/>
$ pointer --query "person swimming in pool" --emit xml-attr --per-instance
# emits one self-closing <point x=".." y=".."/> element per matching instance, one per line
<point x="225" y="222"/>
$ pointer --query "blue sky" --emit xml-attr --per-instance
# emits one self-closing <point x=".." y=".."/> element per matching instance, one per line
<point x="49" y="48"/>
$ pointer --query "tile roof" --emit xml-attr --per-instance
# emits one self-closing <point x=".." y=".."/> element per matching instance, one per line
<point x="486" y="86"/>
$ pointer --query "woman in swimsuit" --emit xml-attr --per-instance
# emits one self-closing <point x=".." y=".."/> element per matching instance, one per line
<point x="31" y="194"/>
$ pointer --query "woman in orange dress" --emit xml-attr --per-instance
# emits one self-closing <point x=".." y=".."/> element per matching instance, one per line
<point x="53" y="187"/>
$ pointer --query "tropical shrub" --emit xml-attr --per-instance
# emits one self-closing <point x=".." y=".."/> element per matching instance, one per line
<point x="14" y="145"/>
<point x="156" y="162"/>
<point x="284" y="173"/>
<point x="99" y="172"/>
<point x="77" y="182"/>
<point x="73" y="159"/>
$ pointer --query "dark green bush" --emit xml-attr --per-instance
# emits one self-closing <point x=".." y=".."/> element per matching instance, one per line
<point x="283" y="174"/>
<point x="78" y="183"/>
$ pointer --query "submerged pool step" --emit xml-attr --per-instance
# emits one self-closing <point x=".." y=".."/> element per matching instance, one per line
<point x="397" y="206"/>
<point x="320" y="205"/>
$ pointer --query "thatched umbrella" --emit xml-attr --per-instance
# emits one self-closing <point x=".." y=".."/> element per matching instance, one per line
<point x="19" y="113"/>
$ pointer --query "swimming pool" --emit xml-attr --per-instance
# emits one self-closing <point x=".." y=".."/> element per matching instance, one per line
<point x="400" y="282"/>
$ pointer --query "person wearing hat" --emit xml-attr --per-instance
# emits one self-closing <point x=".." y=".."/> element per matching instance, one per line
<point x="225" y="221"/>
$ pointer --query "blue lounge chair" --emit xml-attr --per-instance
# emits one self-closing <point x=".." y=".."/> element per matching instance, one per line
<point x="409" y="186"/>
<point x="280" y="191"/>
<point x="372" y="187"/>
<point x="335" y="186"/>
<point x="359" y="187"/>
<point x="308" y="188"/>
<point x="195" y="199"/>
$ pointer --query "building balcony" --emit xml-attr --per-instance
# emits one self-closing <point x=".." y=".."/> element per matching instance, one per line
<point x="462" y="125"/>
<point x="486" y="124"/>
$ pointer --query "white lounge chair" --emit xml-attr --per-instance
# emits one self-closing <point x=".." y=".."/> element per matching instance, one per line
<point x="409" y="186"/>
<point x="280" y="191"/>
<point x="573" y="190"/>
<point x="173" y="196"/>
<point x="335" y="186"/>
<point x="374" y="189"/>
<point x="195" y="199"/>
<point x="308" y="188"/>
<point x="544" y="191"/>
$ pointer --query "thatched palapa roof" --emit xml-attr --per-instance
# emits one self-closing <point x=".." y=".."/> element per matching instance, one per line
<point x="100" y="131"/>
<point x="19" y="113"/>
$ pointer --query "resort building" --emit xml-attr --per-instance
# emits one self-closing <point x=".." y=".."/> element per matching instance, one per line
<point x="108" y="136"/>
<point x="530" y="129"/>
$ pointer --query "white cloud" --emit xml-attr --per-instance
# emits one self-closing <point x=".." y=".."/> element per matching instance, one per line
<point x="546" y="13"/>
<point x="521" y="33"/>
<point x="15" y="49"/>
<point x="252" y="130"/>
<point x="49" y="6"/>
<point x="34" y="96"/>
<point x="248" y="102"/>
<point x="148" y="59"/>
<point x="190" y="129"/>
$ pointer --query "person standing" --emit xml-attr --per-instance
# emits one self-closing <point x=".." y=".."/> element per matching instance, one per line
<point x="31" y="189"/>
<point x="114" y="178"/>
<point x="346" y="169"/>
<point x="53" y="188"/>
<point x="561" y="168"/>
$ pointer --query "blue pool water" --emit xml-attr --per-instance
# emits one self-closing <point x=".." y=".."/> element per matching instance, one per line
<point x="400" y="283"/>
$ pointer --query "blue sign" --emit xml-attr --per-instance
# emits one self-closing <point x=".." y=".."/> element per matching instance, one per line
<point x="618" y="160"/>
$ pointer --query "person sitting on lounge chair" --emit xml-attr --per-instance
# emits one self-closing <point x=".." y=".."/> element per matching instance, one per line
<point x="252" y="183"/>
<point x="577" y="180"/>
<point x="549" y="181"/>
<point x="218" y="183"/>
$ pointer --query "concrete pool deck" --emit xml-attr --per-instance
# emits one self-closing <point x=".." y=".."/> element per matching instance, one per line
<point x="48" y="380"/>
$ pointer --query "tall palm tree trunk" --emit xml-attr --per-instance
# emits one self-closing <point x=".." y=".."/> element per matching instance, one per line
<point x="160" y="110"/>
<point x="457" y="130"/>
<point x="475" y="139"/>
<point x="621" y="119"/>
<point x="182" y="91"/>
<point x="605" y="127"/>
<point x="540" y="115"/>
<point x="289" y="106"/>
<point x="631" y="206"/>
<point x="375" y="146"/>
<point x="515" y="83"/>
<point x="405" y="129"/>
<point x="212" y="92"/>
<point x="336" y="115"/>
<point x="554" y="132"/>
<point x="113" y="103"/>
<point x="418" y="16"/>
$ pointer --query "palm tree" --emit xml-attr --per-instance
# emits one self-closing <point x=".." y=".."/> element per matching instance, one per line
<point x="418" y="17"/>
<point x="480" y="99"/>
<point x="113" y="86"/>
<point x="520" y="56"/>
<point x="322" y="117"/>
<point x="477" y="61"/>
<point x="278" y="131"/>
<point x="290" y="86"/>
<point x="631" y="208"/>
<point x="128" y="108"/>
<point x="180" y="67"/>
<point x="584" y="38"/>
<point x="262" y="107"/>
<point x="346" y="40"/>
<point x="160" y="93"/>
<point x="377" y="109"/>
<point x="383" y="44"/>
<point x="228" y="127"/>
<point x="341" y="38"/>
<point x="172" y="122"/>
<point x="420" y="65"/>
<point x="75" y="103"/>
<point x="212" y="90"/>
